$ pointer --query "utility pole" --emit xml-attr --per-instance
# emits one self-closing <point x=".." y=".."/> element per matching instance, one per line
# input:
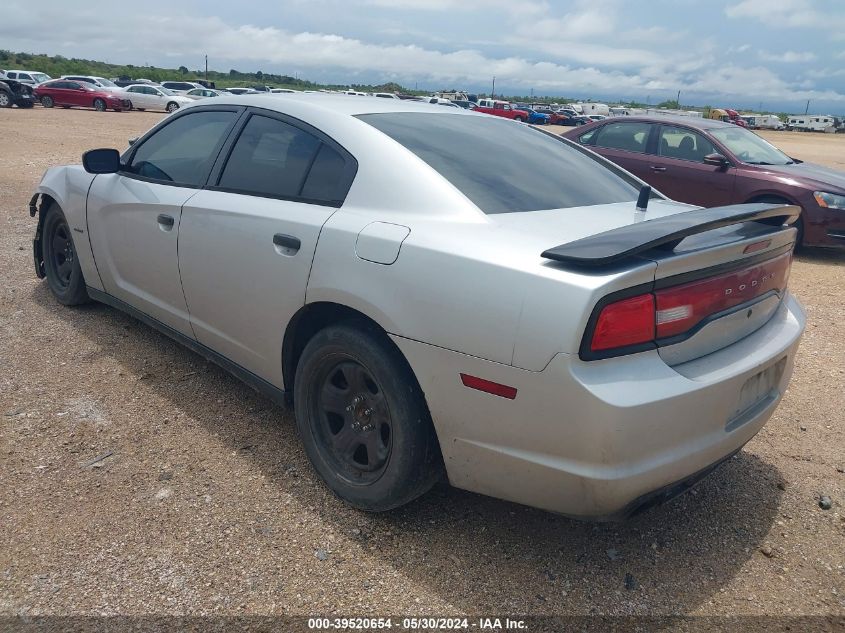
<point x="206" y="67"/>
<point x="678" y="100"/>
<point x="493" y="92"/>
<point x="807" y="109"/>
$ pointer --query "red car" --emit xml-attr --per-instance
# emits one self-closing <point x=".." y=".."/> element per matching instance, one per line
<point x="711" y="163"/>
<point x="66" y="93"/>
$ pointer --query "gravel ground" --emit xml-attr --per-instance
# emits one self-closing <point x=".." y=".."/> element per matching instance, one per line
<point x="135" y="478"/>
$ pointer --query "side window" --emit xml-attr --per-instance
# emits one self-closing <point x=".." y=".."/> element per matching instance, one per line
<point x="270" y="158"/>
<point x="330" y="177"/>
<point x="590" y="137"/>
<point x="12" y="75"/>
<point x="24" y="76"/>
<point x="183" y="151"/>
<point x="631" y="137"/>
<point x="677" y="142"/>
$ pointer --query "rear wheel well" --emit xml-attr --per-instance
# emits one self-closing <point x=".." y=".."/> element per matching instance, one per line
<point x="309" y="320"/>
<point x="773" y="198"/>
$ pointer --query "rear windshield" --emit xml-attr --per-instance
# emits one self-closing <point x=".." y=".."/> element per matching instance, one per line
<point x="505" y="167"/>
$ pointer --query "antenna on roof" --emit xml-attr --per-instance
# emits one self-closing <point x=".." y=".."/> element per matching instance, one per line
<point x="642" y="203"/>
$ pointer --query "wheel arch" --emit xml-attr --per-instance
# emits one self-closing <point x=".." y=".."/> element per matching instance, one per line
<point x="316" y="316"/>
<point x="765" y="196"/>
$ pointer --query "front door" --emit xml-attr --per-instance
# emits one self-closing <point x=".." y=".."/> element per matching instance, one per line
<point x="134" y="216"/>
<point x="678" y="169"/>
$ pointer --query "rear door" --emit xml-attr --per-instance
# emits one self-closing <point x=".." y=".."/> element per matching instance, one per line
<point x="134" y="216"/>
<point x="678" y="170"/>
<point x="247" y="241"/>
<point x="625" y="143"/>
<point x="76" y="95"/>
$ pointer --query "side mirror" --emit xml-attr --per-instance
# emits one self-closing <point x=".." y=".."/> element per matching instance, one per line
<point x="715" y="159"/>
<point x="101" y="161"/>
<point x="133" y="140"/>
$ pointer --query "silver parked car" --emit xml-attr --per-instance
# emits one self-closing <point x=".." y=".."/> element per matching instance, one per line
<point x="434" y="296"/>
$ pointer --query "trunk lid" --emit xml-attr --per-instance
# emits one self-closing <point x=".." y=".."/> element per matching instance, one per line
<point x="720" y="273"/>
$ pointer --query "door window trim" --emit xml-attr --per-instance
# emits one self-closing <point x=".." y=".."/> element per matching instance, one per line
<point x="647" y="147"/>
<point x="350" y="168"/>
<point x="129" y="155"/>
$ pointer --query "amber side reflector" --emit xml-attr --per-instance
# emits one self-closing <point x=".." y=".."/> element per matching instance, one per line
<point x="474" y="382"/>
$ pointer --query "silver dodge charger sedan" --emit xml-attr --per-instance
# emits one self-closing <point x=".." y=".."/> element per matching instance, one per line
<point x="439" y="291"/>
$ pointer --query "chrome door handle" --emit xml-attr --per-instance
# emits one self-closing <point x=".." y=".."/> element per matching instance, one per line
<point x="656" y="168"/>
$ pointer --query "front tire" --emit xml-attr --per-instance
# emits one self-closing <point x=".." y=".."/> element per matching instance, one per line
<point x="363" y="419"/>
<point x="5" y="99"/>
<point x="172" y="106"/>
<point x="99" y="105"/>
<point x="64" y="275"/>
<point x="47" y="101"/>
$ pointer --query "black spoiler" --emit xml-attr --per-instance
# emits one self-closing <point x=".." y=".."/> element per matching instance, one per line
<point x="665" y="232"/>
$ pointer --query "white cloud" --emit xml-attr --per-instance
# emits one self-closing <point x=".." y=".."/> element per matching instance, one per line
<point x="789" y="13"/>
<point x="787" y="57"/>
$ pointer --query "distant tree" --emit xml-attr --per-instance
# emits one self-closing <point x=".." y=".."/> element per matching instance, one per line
<point x="183" y="70"/>
<point x="233" y="73"/>
<point x="259" y="75"/>
<point x="672" y="104"/>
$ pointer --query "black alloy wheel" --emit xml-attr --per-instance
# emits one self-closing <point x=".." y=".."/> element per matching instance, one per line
<point x="61" y="265"/>
<point x="363" y="418"/>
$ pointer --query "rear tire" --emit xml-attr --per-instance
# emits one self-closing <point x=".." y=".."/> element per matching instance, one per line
<point x="99" y="105"/>
<point x="363" y="419"/>
<point x="61" y="265"/>
<point x="47" y="101"/>
<point x="5" y="99"/>
<point x="172" y="106"/>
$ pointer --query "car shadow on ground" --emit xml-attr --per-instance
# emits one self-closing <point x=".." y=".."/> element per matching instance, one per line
<point x="479" y="554"/>
<point x="827" y="256"/>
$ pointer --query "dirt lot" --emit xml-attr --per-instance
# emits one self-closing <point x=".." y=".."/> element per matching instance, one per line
<point x="207" y="505"/>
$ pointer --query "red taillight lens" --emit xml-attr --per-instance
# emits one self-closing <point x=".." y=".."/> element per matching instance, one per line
<point x="671" y="312"/>
<point x="681" y="308"/>
<point x="623" y="323"/>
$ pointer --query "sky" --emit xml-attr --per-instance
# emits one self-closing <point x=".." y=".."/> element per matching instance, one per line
<point x="753" y="54"/>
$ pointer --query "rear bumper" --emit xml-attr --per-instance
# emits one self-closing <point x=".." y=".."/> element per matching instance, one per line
<point x="597" y="439"/>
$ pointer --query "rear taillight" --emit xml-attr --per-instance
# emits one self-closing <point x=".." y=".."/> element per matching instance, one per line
<point x="624" y="323"/>
<point x="667" y="315"/>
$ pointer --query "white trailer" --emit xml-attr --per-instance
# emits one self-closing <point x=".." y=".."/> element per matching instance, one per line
<point x="811" y="123"/>
<point x="764" y="122"/>
<point x="594" y="108"/>
<point x="695" y="114"/>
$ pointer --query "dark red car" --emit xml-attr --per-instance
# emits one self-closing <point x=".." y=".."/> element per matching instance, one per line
<point x="67" y="93"/>
<point x="711" y="163"/>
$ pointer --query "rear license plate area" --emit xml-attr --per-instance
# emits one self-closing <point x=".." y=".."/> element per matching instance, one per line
<point x="756" y="393"/>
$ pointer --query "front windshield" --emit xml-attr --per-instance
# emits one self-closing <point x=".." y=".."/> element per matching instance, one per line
<point x="106" y="82"/>
<point x="41" y="77"/>
<point x="750" y="148"/>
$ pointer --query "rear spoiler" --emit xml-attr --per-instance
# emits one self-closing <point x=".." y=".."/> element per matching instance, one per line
<point x="665" y="232"/>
